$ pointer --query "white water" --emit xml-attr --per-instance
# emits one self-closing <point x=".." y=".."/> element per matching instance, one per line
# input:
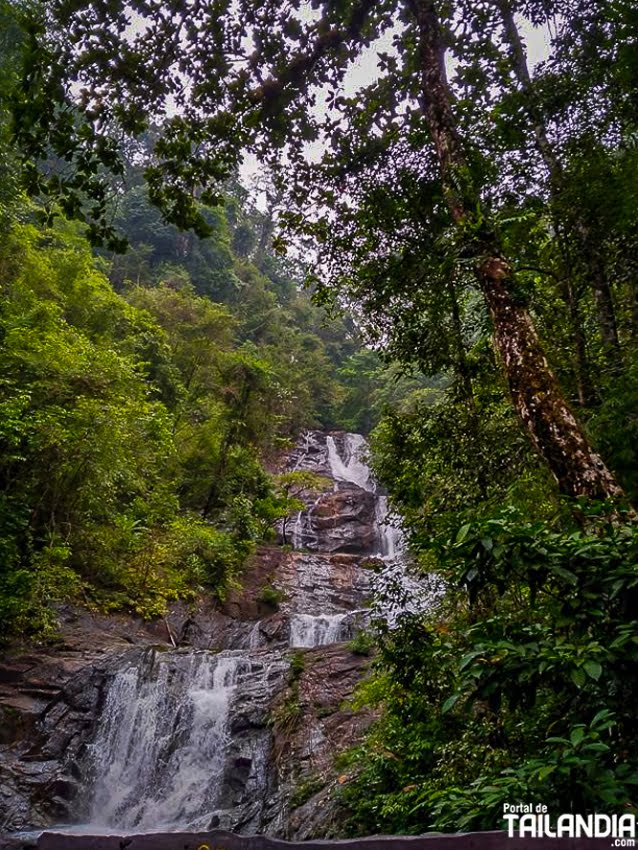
<point x="397" y="592"/>
<point x="164" y="743"/>
<point x="255" y="639"/>
<point x="308" y="631"/>
<point x="159" y="751"/>
<point x="352" y="468"/>
<point x="302" y="531"/>
<point x="391" y="537"/>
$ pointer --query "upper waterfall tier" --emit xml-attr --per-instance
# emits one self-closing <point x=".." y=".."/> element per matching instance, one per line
<point x="353" y="516"/>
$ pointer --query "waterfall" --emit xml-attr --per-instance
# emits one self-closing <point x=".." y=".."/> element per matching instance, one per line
<point x="296" y="535"/>
<point x="159" y="753"/>
<point x="184" y="739"/>
<point x="351" y="468"/>
<point x="302" y="534"/>
<point x="392" y="544"/>
<point x="397" y="592"/>
<point x="255" y="639"/>
<point x="307" y="630"/>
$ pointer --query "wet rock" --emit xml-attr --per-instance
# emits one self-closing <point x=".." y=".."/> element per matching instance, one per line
<point x="273" y="628"/>
<point x="323" y="584"/>
<point x="238" y="775"/>
<point x="325" y="728"/>
<point x="344" y="521"/>
<point x="284" y="727"/>
<point x="18" y="718"/>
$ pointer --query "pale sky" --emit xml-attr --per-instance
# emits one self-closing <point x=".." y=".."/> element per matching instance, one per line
<point x="363" y="71"/>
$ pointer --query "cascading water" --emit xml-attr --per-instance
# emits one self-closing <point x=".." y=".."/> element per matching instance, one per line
<point x="307" y="630"/>
<point x="396" y="591"/>
<point x="184" y="738"/>
<point x="159" y="754"/>
<point x="353" y="468"/>
<point x="302" y="531"/>
<point x="390" y="537"/>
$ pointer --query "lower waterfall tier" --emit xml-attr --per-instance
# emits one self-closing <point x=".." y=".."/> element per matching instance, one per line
<point x="165" y="746"/>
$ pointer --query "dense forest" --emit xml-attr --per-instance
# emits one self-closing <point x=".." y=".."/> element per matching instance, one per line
<point x="145" y="397"/>
<point x="448" y="262"/>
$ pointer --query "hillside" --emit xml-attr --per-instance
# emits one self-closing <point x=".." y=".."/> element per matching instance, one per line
<point x="420" y="315"/>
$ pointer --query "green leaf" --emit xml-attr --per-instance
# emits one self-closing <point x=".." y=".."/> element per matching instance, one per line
<point x="467" y="659"/>
<point x="544" y="772"/>
<point x="464" y="530"/>
<point x="593" y="669"/>
<point x="604" y="716"/>
<point x="577" y="735"/>
<point x="449" y="703"/>
<point x="578" y="677"/>
<point x="597" y="747"/>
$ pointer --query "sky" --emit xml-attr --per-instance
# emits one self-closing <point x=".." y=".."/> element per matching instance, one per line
<point x="364" y="70"/>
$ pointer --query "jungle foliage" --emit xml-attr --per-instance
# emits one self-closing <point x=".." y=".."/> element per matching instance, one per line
<point x="481" y="229"/>
<point x="519" y="685"/>
<point x="143" y="397"/>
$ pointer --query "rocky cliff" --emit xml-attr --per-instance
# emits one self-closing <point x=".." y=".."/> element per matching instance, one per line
<point x="217" y="716"/>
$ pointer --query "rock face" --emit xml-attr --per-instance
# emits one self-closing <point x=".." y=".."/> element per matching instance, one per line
<point x="351" y="517"/>
<point x="217" y="716"/>
<point x="49" y="702"/>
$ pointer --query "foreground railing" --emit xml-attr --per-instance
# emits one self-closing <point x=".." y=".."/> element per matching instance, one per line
<point x="229" y="841"/>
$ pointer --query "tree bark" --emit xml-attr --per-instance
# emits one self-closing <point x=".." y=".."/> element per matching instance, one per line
<point x="585" y="389"/>
<point x="467" y="390"/>
<point x="605" y="308"/>
<point x="633" y="288"/>
<point x="518" y="58"/>
<point x="535" y="392"/>
<point x="462" y="366"/>
<point x="537" y="397"/>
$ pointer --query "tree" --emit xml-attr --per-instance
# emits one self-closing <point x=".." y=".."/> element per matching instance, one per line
<point x="407" y="126"/>
<point x="287" y="497"/>
<point x="535" y="392"/>
<point x="11" y="47"/>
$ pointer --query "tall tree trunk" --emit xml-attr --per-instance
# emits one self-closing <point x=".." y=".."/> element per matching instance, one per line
<point x="633" y="288"/>
<point x="518" y="58"/>
<point x="577" y="468"/>
<point x="596" y="272"/>
<point x="273" y="198"/>
<point x="462" y="366"/>
<point x="584" y="388"/>
<point x="467" y="390"/>
<point x="535" y="392"/>
<point x="605" y="308"/>
<point x="265" y="238"/>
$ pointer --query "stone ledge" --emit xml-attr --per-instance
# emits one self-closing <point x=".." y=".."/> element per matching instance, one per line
<point x="230" y="841"/>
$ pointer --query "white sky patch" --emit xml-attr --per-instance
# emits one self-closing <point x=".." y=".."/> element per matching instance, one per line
<point x="362" y="73"/>
<point x="365" y="70"/>
<point x="538" y="42"/>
